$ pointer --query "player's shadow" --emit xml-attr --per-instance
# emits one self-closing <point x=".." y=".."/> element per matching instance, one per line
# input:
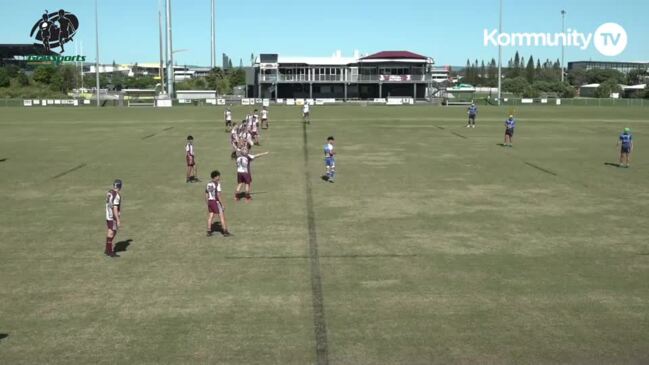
<point x="3" y="159"/>
<point x="122" y="246"/>
<point x="324" y="178"/>
<point x="614" y="164"/>
<point x="3" y="336"/>
<point x="216" y="227"/>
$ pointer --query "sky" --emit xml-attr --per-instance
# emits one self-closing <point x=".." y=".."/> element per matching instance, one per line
<point x="448" y="31"/>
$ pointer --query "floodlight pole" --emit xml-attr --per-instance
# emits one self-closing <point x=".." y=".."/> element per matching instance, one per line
<point x="82" y="63"/>
<point x="161" y="73"/>
<point x="212" y="32"/>
<point x="563" y="45"/>
<point x="500" y="52"/>
<point x="97" y="55"/>
<point x="170" y="60"/>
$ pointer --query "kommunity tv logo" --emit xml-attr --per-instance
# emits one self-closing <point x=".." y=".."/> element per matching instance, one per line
<point x="610" y="39"/>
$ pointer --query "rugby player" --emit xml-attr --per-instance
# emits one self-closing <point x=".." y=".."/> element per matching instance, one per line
<point x="244" y="175"/>
<point x="329" y="157"/>
<point x="510" y="123"/>
<point x="190" y="158"/>
<point x="625" y="142"/>
<point x="306" y="113"/>
<point x="228" y="119"/>
<point x="264" y="118"/>
<point x="214" y="204"/>
<point x="113" y="221"/>
<point x="472" y="111"/>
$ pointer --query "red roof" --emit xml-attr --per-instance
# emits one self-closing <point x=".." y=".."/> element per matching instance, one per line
<point x="394" y="54"/>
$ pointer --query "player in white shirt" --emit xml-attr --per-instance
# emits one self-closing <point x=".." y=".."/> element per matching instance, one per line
<point x="254" y="129"/>
<point x="245" y="139"/>
<point x="113" y="211"/>
<point x="264" y="118"/>
<point x="190" y="158"/>
<point x="228" y="119"/>
<point x="306" y="113"/>
<point x="249" y="117"/>
<point x="244" y="175"/>
<point x="234" y="140"/>
<point x="214" y="204"/>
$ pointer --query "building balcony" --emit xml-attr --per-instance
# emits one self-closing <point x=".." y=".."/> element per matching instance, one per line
<point x="303" y="78"/>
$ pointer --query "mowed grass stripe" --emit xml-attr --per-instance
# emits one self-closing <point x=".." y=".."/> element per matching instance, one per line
<point x="540" y="168"/>
<point x="320" y="325"/>
<point x="69" y="171"/>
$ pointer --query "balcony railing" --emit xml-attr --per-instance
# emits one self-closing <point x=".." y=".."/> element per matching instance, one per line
<point x="341" y="78"/>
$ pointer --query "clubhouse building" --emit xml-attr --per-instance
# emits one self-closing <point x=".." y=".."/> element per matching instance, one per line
<point x="380" y="75"/>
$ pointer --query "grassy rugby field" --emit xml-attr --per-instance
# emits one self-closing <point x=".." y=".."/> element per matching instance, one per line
<point x="434" y="246"/>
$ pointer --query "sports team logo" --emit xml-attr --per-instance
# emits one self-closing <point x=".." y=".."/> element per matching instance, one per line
<point x="55" y="29"/>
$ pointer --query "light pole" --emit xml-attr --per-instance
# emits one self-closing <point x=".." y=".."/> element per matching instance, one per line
<point x="97" y="54"/>
<point x="213" y="35"/>
<point x="170" y="60"/>
<point x="563" y="45"/>
<point x="161" y="73"/>
<point x="500" y="52"/>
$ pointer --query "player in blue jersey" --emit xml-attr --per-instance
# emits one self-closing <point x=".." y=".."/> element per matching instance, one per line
<point x="625" y="142"/>
<point x="330" y="161"/>
<point x="510" y="123"/>
<point x="472" y="111"/>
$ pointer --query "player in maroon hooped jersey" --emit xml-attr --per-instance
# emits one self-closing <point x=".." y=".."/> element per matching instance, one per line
<point x="214" y="203"/>
<point x="190" y="158"/>
<point x="244" y="176"/>
<point x="113" y="221"/>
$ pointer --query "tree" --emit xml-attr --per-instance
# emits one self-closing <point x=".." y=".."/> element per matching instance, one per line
<point x="140" y="82"/>
<point x="104" y="81"/>
<point x="12" y="70"/>
<point x="56" y="82"/>
<point x="598" y="75"/>
<point x="118" y="80"/>
<point x="517" y="60"/>
<point x="22" y="79"/>
<point x="68" y="78"/>
<point x="530" y="92"/>
<point x="223" y="86"/>
<point x="569" y="91"/>
<point x="514" y="70"/>
<point x="578" y="77"/>
<point x="213" y="77"/>
<point x="5" y="81"/>
<point x="44" y="73"/>
<point x="483" y="72"/>
<point x="468" y="77"/>
<point x="636" y="76"/>
<point x="492" y="72"/>
<point x="606" y="88"/>
<point x="530" y="72"/>
<point x="517" y="85"/>
<point x="237" y="76"/>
